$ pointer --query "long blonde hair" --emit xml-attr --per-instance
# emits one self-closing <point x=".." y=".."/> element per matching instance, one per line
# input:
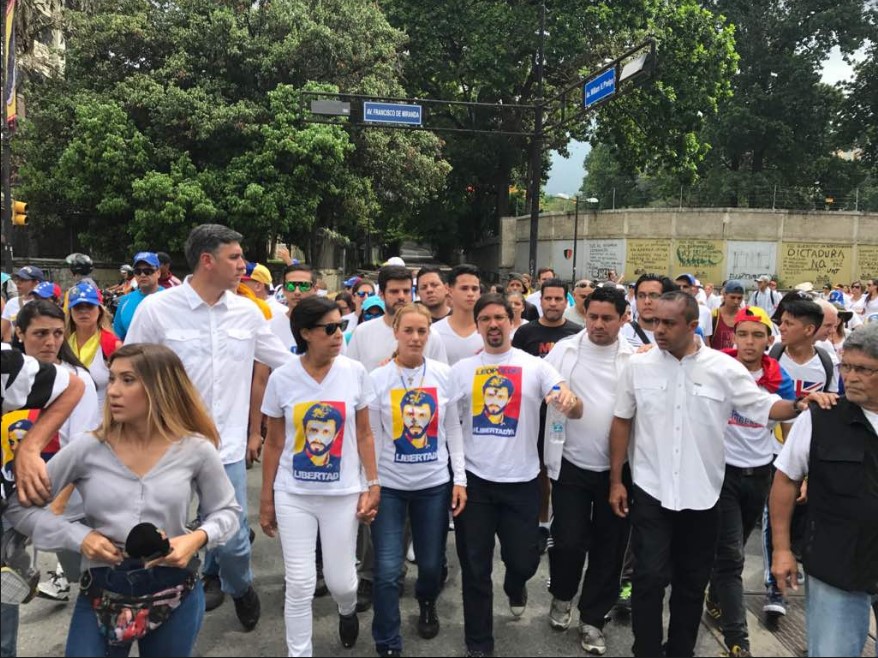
<point x="103" y="321"/>
<point x="175" y="407"/>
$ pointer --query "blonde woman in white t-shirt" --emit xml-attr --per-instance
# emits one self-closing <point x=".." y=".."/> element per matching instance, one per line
<point x="319" y="470"/>
<point x="416" y="422"/>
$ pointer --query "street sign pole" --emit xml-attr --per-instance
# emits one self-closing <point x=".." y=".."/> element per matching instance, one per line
<point x="536" y="152"/>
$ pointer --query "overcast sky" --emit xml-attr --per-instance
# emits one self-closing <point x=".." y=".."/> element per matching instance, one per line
<point x="566" y="175"/>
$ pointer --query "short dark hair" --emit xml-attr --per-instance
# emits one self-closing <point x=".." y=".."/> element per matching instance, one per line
<point x="667" y="284"/>
<point x="612" y="295"/>
<point x="462" y="269"/>
<point x="300" y="267"/>
<point x="392" y="273"/>
<point x="306" y="315"/>
<point x="690" y="306"/>
<point x="430" y="269"/>
<point x="208" y="238"/>
<point x="555" y="283"/>
<point x="164" y="258"/>
<point x="543" y="270"/>
<point x="805" y="310"/>
<point x="492" y="298"/>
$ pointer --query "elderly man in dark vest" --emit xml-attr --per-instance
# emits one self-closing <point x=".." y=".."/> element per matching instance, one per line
<point x="837" y="450"/>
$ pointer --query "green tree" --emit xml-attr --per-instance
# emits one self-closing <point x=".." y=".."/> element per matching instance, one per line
<point x="175" y="113"/>
<point x="484" y="51"/>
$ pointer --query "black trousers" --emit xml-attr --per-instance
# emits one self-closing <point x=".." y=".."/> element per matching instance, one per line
<point x="585" y="524"/>
<point x="740" y="507"/>
<point x="511" y="512"/>
<point x="670" y="548"/>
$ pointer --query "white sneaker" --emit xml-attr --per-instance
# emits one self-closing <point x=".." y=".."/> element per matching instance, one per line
<point x="559" y="614"/>
<point x="410" y="553"/>
<point x="592" y="640"/>
<point x="56" y="588"/>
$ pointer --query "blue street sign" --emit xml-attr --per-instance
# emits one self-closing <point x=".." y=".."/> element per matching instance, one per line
<point x="410" y="115"/>
<point x="599" y="87"/>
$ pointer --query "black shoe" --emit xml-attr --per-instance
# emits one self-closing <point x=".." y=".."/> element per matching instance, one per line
<point x="475" y="653"/>
<point x="348" y="629"/>
<point x="213" y="593"/>
<point x="518" y="604"/>
<point x="364" y="595"/>
<point x="252" y="536"/>
<point x="544" y="539"/>
<point x="428" y="621"/>
<point x="320" y="589"/>
<point x="248" y="609"/>
<point x="388" y="652"/>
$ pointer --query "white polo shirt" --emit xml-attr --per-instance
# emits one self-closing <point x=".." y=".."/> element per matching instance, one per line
<point x="680" y="410"/>
<point x="218" y="345"/>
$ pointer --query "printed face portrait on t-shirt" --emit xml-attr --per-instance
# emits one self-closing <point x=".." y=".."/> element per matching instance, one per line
<point x="415" y="425"/>
<point x="496" y="400"/>
<point x="319" y="439"/>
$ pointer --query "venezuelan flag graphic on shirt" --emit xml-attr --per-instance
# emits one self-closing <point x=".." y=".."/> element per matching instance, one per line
<point x="14" y="427"/>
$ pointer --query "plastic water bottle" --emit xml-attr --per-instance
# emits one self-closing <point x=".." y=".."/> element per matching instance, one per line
<point x="556" y="434"/>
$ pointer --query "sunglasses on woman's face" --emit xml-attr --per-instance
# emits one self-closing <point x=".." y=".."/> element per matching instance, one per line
<point x="331" y="327"/>
<point x="303" y="286"/>
<point x="362" y="293"/>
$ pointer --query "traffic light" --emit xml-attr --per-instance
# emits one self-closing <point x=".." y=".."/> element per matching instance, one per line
<point x="19" y="213"/>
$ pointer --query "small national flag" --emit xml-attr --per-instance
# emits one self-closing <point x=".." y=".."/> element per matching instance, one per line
<point x="568" y="254"/>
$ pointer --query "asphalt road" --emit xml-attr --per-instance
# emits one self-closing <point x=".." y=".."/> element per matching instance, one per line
<point x="44" y="624"/>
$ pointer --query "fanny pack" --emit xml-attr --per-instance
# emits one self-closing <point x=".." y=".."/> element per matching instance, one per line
<point x="126" y="616"/>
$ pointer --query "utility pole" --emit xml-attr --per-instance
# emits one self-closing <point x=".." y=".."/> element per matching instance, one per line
<point x="536" y="149"/>
<point x="6" y="156"/>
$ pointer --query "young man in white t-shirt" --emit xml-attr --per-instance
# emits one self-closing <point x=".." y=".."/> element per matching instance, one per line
<point x="543" y="274"/>
<point x="458" y="330"/>
<point x="801" y="359"/>
<point x="583" y="523"/>
<point x="372" y="343"/>
<point x="749" y="449"/>
<point x="500" y="416"/>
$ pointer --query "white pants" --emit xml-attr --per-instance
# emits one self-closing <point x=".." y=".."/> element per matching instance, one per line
<point x="298" y="519"/>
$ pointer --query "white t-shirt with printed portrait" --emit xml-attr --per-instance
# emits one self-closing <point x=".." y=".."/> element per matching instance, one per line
<point x="320" y="455"/>
<point x="416" y="424"/>
<point x="500" y="412"/>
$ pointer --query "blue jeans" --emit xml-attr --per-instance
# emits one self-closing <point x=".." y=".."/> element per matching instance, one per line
<point x="175" y="637"/>
<point x="231" y="562"/>
<point x="8" y="623"/>
<point x="428" y="511"/>
<point x="837" y="621"/>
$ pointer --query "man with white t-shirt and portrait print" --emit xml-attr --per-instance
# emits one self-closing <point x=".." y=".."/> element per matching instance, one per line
<point x="502" y="465"/>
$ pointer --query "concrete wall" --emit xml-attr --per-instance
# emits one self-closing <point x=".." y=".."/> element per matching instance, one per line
<point x="712" y="243"/>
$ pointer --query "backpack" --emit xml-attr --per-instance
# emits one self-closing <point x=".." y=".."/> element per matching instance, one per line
<point x="825" y="361"/>
<point x="640" y="333"/>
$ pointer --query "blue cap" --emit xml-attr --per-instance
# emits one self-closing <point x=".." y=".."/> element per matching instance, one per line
<point x="83" y="293"/>
<point x="836" y="297"/>
<point x="689" y="278"/>
<point x="734" y="287"/>
<point x="148" y="257"/>
<point x="47" y="290"/>
<point x="31" y="273"/>
<point x="372" y="302"/>
<point x="350" y="283"/>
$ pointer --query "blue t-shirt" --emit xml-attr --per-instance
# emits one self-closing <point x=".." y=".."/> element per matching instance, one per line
<point x="125" y="311"/>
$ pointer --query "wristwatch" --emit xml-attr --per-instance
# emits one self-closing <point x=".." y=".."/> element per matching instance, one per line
<point x="373" y="483"/>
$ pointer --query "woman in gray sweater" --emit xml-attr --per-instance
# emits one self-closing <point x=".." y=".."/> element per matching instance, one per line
<point x="155" y="448"/>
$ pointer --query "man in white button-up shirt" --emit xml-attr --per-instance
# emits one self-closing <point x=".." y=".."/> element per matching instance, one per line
<point x="680" y="397"/>
<point x="218" y="335"/>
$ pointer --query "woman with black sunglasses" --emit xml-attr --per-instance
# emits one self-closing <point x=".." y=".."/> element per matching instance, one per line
<point x="319" y="470"/>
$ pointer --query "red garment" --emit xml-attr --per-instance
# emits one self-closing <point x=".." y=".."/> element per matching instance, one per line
<point x="723" y="335"/>
<point x="772" y="374"/>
